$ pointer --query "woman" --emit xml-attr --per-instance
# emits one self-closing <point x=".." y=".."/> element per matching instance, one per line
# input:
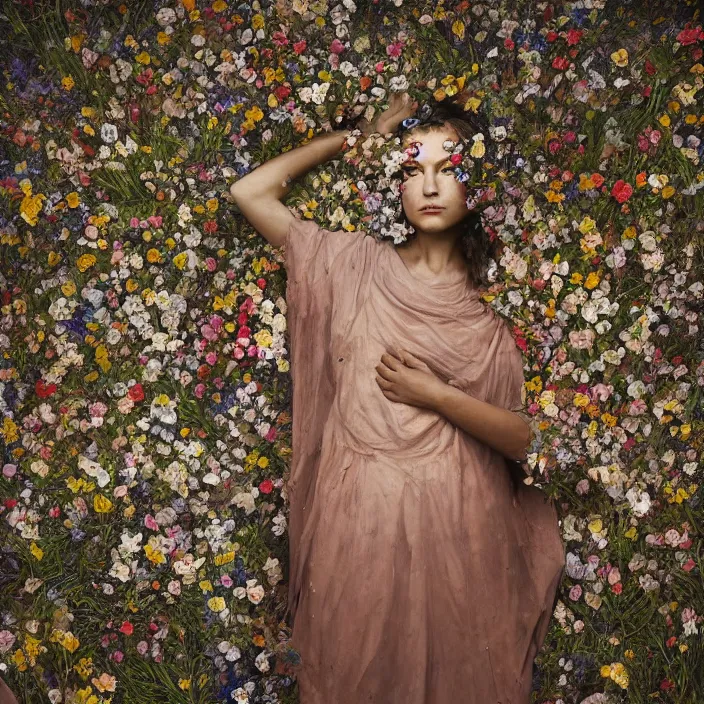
<point x="419" y="573"/>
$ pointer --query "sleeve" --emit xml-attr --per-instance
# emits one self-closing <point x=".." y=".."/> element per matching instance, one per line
<point x="310" y="252"/>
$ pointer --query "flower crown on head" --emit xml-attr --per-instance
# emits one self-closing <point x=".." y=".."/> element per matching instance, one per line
<point x="481" y="164"/>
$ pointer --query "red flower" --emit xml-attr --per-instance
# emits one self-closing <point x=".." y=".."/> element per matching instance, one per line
<point x="689" y="36"/>
<point x="127" y="628"/>
<point x="622" y="191"/>
<point x="44" y="390"/>
<point x="266" y="486"/>
<point x="574" y="36"/>
<point x="136" y="393"/>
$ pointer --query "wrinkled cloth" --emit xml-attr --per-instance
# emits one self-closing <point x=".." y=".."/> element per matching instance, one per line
<point x="419" y="574"/>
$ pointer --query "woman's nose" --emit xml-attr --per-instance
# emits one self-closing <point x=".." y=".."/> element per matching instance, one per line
<point x="430" y="185"/>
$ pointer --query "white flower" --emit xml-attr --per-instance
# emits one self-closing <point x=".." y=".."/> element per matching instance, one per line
<point x="120" y="571"/>
<point x="255" y="592"/>
<point x="93" y="469"/>
<point x="262" y="662"/>
<point x="165" y="16"/>
<point x="639" y="500"/>
<point x="108" y="133"/>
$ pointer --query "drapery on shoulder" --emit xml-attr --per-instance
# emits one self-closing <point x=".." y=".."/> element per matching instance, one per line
<point x="310" y="250"/>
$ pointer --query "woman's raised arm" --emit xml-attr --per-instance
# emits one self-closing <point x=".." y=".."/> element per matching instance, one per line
<point x="259" y="193"/>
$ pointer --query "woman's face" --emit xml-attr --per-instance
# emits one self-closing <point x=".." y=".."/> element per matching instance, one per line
<point x="429" y="179"/>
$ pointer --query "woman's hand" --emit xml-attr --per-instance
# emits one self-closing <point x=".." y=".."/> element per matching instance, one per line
<point x="404" y="378"/>
<point x="400" y="107"/>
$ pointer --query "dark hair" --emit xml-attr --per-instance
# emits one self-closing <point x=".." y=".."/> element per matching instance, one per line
<point x="477" y="246"/>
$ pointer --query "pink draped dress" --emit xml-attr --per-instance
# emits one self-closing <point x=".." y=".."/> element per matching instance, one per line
<point x="417" y="574"/>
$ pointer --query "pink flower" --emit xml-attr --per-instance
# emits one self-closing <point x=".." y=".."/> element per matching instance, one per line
<point x="576" y="592"/>
<point x="582" y="339"/>
<point x="150" y="523"/>
<point x="7" y="640"/>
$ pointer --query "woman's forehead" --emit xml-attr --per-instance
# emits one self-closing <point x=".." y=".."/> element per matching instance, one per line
<point x="434" y="136"/>
<point x="430" y="142"/>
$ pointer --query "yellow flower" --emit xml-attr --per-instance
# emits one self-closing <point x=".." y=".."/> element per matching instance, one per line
<point x="101" y="358"/>
<point x="20" y="660"/>
<point x="620" y="58"/>
<point x="85" y="261"/>
<point x="580" y="400"/>
<point x="184" y="684"/>
<point x="9" y="430"/>
<point x="224" y="558"/>
<point x="216" y="603"/>
<point x="154" y="555"/>
<point x="153" y="256"/>
<point x="180" y="260"/>
<point x="86" y="696"/>
<point x="65" y="638"/>
<point x="205" y="585"/>
<point x="73" y="200"/>
<point x="143" y="58"/>
<point x="478" y="149"/>
<point x="68" y="288"/>
<point x="592" y="280"/>
<point x="587" y="225"/>
<point x="36" y="551"/>
<point x="31" y="206"/>
<point x="263" y="338"/>
<point x="84" y="668"/>
<point x="101" y="504"/>
<point x="211" y="204"/>
<point x="67" y="83"/>
<point x="596" y="526"/>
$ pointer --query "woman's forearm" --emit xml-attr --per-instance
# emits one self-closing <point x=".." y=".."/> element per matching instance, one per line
<point x="503" y="430"/>
<point x="274" y="176"/>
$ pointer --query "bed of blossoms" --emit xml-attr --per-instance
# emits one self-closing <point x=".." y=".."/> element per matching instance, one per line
<point x="144" y="378"/>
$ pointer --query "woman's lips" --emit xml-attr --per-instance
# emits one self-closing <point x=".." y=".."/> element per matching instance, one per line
<point x="432" y="211"/>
